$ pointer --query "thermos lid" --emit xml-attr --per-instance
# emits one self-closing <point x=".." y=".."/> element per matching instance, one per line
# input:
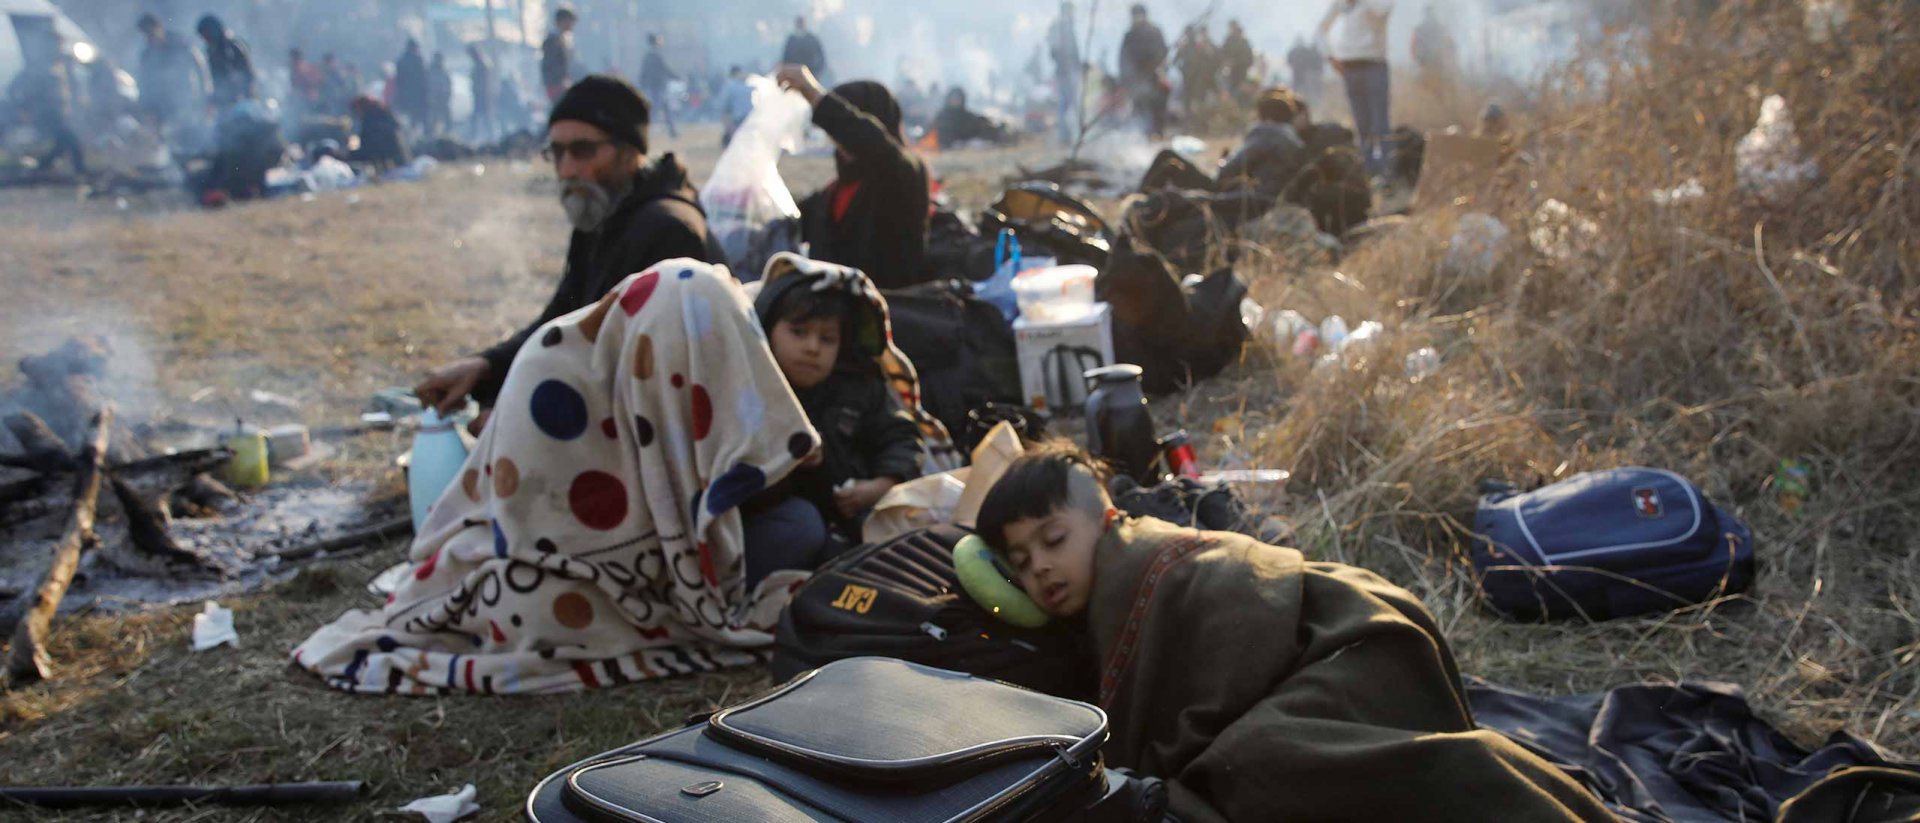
<point x="1117" y="373"/>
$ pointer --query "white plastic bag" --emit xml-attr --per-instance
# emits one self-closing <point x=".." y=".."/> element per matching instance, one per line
<point x="1478" y="244"/>
<point x="1768" y="159"/>
<point x="445" y="808"/>
<point x="213" y="626"/>
<point x="748" y="206"/>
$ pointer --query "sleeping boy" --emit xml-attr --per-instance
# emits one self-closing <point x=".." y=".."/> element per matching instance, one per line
<point x="826" y="327"/>
<point x="1259" y="685"/>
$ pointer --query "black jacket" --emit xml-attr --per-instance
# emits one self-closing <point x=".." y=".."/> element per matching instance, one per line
<point x="804" y="49"/>
<point x="1268" y="160"/>
<point x="412" y="90"/>
<point x="885" y="230"/>
<point x="1143" y="52"/>
<point x="865" y="433"/>
<point x="556" y="61"/>
<point x="655" y="75"/>
<point x="660" y="220"/>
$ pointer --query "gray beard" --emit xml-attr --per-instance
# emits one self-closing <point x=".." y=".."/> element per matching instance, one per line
<point x="588" y="205"/>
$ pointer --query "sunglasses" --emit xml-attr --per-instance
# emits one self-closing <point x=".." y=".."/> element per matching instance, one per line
<point x="582" y="150"/>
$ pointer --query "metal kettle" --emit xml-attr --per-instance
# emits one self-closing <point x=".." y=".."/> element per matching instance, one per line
<point x="1119" y="424"/>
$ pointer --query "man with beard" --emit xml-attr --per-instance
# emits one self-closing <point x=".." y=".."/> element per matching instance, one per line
<point x="627" y="214"/>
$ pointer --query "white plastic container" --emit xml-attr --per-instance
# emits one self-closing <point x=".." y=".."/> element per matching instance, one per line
<point x="1054" y="293"/>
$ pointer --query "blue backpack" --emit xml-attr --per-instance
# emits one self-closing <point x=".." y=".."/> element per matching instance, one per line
<point x="1607" y="544"/>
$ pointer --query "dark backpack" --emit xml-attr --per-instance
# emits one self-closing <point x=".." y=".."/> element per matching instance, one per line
<point x="902" y="599"/>
<point x="1049" y="222"/>
<point x="962" y="346"/>
<point x="1175" y="335"/>
<point x="1608" y="544"/>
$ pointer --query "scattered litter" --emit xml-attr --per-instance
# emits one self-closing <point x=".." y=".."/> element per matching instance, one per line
<point x="1251" y="313"/>
<point x="120" y="203"/>
<point x="213" y="626"/>
<point x="1247" y="476"/>
<point x="1190" y="147"/>
<point x="1477" y="245"/>
<point x="1768" y="160"/>
<point x="1684" y="193"/>
<point x="1790" y="489"/>
<point x="388" y="582"/>
<point x="1824" y="19"/>
<point x="478" y="170"/>
<point x="1560" y="232"/>
<point x="445" y="808"/>
<point x="272" y="399"/>
<point x="1333" y="332"/>
<point x="1422" y="363"/>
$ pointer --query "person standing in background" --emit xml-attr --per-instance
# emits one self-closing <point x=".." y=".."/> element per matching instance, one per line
<point x="1063" y="45"/>
<point x="228" y="61"/>
<point x="439" y="95"/>
<point x="1236" y="60"/>
<point x="736" y="102"/>
<point x="1309" y="68"/>
<point x="44" y="90"/>
<point x="1143" y="62"/>
<point x="804" y="49"/>
<point x="173" y="77"/>
<point x="655" y="79"/>
<point x="412" y="91"/>
<point x="1355" y="32"/>
<point x="481" y="126"/>
<point x="556" y="54"/>
<point x="1199" y="63"/>
<point x="307" y="82"/>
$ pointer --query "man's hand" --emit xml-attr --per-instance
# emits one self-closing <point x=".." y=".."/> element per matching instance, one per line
<point x="860" y="495"/>
<point x="800" y="79"/>
<point x="445" y="390"/>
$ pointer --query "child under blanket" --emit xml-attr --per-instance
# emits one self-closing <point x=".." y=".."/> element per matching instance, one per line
<point x="1259" y="685"/>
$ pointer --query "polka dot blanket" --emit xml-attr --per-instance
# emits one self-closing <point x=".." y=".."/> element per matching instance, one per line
<point x="594" y="537"/>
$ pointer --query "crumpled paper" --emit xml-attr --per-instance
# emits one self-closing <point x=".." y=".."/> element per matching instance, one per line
<point x="445" y="808"/>
<point x="213" y="626"/>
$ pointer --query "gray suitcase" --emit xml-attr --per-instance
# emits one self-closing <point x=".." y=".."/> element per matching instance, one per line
<point x="866" y="738"/>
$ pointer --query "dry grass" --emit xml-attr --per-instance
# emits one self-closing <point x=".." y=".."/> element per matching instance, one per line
<point x="1715" y="339"/>
<point x="1685" y="339"/>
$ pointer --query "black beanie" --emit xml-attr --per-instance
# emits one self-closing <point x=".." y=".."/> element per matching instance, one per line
<point x="609" y="104"/>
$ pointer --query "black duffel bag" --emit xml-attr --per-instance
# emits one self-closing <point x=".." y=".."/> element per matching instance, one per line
<point x="902" y="599"/>
<point x="864" y="739"/>
<point x="962" y="347"/>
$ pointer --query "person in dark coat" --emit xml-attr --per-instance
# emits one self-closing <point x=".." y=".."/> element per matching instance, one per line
<point x="556" y="54"/>
<point x="1236" y="60"/>
<point x="1143" y="61"/>
<point x="874" y="215"/>
<point x="804" y="49"/>
<point x="826" y="335"/>
<point x="383" y="143"/>
<point x="1199" y="62"/>
<point x="228" y="62"/>
<point x="654" y="77"/>
<point x="482" y="126"/>
<point x="173" y="76"/>
<point x="1273" y="154"/>
<point x="412" y="88"/>
<point x="627" y="214"/>
<point x="1309" y="68"/>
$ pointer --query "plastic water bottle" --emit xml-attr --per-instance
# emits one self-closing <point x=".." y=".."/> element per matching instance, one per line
<point x="438" y="454"/>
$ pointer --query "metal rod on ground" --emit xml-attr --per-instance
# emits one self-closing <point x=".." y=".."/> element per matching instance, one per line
<point x="27" y="661"/>
<point x="272" y="794"/>
<point x="379" y="531"/>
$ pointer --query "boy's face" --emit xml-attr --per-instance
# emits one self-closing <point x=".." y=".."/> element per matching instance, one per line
<point x="806" y="350"/>
<point x="1052" y="557"/>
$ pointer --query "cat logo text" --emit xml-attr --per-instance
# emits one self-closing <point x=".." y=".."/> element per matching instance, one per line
<point x="856" y="599"/>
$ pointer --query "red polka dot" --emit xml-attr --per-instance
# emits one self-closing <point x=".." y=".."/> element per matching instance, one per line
<point x="426" y="568"/>
<point x="598" y="500"/>
<point x="609" y="429"/>
<point x="702" y="413"/>
<point x="679" y="382"/>
<point x="637" y="294"/>
<point x="498" y="635"/>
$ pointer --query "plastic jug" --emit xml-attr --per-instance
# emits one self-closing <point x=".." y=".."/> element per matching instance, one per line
<point x="1119" y="424"/>
<point x="438" y="454"/>
<point x="248" y="468"/>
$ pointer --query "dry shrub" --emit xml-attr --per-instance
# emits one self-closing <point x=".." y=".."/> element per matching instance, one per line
<point x="1714" y="337"/>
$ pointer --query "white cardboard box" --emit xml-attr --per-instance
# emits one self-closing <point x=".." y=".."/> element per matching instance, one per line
<point x="1053" y="356"/>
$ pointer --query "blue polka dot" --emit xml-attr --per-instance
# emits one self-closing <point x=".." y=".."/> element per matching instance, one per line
<point x="559" y="410"/>
<point x="686" y="274"/>
<point x="386" y="644"/>
<point x="696" y="502"/>
<point x="733" y="488"/>
<point x="499" y="541"/>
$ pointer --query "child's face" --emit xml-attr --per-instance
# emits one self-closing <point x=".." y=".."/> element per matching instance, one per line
<point x="806" y="350"/>
<point x="1052" y="557"/>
